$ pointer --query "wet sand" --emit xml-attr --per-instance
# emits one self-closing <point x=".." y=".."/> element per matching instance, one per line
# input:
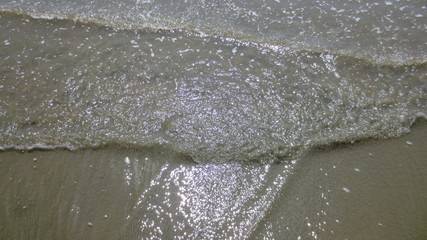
<point x="374" y="189"/>
<point x="368" y="190"/>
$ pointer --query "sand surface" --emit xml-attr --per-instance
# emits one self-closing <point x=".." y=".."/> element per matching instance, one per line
<point x="374" y="189"/>
<point x="368" y="190"/>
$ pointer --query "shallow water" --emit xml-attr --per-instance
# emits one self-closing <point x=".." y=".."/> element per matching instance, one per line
<point x="369" y="190"/>
<point x="146" y="194"/>
<point x="67" y="85"/>
<point x="223" y="98"/>
<point x="385" y="32"/>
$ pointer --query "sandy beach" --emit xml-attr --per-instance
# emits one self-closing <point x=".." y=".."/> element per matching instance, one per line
<point x="368" y="190"/>
<point x="213" y="119"/>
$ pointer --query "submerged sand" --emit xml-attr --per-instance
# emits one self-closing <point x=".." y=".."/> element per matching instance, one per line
<point x="367" y="190"/>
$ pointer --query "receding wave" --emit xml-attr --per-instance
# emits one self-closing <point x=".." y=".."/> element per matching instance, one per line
<point x="286" y="27"/>
<point x="74" y="86"/>
<point x="283" y="153"/>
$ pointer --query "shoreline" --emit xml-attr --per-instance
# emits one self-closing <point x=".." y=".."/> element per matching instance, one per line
<point x="370" y="189"/>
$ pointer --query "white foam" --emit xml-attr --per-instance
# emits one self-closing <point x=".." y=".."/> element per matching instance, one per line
<point x="234" y="50"/>
<point x="421" y="114"/>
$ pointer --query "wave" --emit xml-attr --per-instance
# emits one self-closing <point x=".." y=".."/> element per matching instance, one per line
<point x="373" y="48"/>
<point x="271" y="154"/>
<point x="206" y="98"/>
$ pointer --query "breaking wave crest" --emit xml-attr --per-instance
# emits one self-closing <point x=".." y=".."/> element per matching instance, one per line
<point x="258" y="96"/>
<point x="251" y="23"/>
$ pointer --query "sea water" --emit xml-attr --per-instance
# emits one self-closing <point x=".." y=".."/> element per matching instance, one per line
<point x="219" y="83"/>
